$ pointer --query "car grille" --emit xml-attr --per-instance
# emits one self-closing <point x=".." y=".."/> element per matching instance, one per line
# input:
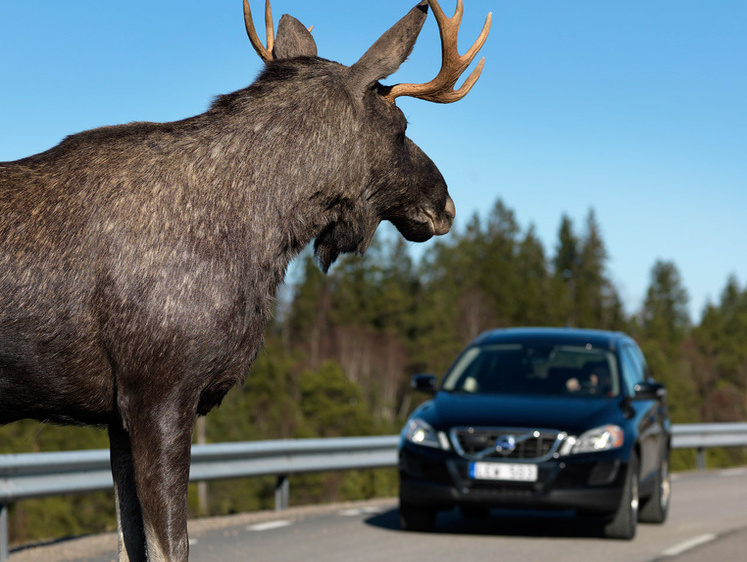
<point x="504" y="490"/>
<point x="478" y="443"/>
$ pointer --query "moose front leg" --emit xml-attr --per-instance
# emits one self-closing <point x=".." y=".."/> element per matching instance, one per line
<point x="154" y="454"/>
<point x="161" y="453"/>
<point x="131" y="531"/>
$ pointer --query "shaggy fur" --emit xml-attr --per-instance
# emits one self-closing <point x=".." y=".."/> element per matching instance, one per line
<point x="139" y="263"/>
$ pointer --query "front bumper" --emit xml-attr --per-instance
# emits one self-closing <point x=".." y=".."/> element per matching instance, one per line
<point x="440" y="479"/>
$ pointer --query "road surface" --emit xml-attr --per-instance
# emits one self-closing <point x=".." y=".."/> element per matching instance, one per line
<point x="707" y="521"/>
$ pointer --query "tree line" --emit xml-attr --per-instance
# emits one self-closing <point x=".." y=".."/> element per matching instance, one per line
<point x="342" y="349"/>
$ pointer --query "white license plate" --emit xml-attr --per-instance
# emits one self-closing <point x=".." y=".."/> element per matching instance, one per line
<point x="503" y="471"/>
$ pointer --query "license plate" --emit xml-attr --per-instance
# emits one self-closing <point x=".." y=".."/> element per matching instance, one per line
<point x="503" y="471"/>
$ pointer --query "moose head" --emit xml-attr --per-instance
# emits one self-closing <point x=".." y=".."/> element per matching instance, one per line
<point x="400" y="183"/>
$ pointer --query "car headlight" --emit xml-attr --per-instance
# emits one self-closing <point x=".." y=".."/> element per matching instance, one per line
<point x="601" y="438"/>
<point x="421" y="433"/>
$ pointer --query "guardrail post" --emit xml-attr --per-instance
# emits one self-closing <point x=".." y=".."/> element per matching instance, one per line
<point x="4" y="541"/>
<point x="701" y="459"/>
<point x="282" y="492"/>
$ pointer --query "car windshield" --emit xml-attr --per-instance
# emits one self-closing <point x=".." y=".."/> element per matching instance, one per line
<point x="535" y="369"/>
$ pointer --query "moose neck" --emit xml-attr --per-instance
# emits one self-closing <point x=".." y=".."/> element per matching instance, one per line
<point x="292" y="167"/>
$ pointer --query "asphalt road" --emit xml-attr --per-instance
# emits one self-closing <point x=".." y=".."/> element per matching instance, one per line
<point x="708" y="521"/>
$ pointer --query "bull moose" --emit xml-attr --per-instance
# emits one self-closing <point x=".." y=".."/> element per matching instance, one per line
<point x="139" y="262"/>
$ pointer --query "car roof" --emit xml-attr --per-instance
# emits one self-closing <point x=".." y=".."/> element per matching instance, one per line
<point x="557" y="336"/>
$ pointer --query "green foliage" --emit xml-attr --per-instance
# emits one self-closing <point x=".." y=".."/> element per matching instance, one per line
<point x="32" y="437"/>
<point x="332" y="406"/>
<point x="62" y="516"/>
<point x="265" y="406"/>
<point x="665" y="316"/>
<point x="720" y="342"/>
<point x="663" y="326"/>
<point x="339" y="358"/>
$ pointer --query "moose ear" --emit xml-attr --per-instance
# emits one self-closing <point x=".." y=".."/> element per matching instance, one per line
<point x="293" y="40"/>
<point x="391" y="49"/>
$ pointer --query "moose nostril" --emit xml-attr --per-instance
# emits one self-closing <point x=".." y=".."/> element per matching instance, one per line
<point x="450" y="209"/>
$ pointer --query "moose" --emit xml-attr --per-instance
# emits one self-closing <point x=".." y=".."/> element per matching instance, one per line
<point x="139" y="262"/>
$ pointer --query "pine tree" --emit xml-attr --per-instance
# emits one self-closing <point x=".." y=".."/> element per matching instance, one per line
<point x="721" y="338"/>
<point x="665" y="313"/>
<point x="592" y="284"/>
<point x="535" y="297"/>
<point x="565" y="269"/>
<point x="664" y="328"/>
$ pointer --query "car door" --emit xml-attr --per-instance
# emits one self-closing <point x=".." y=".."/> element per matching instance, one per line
<point x="648" y="413"/>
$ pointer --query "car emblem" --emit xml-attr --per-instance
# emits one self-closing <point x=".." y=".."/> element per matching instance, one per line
<point x="505" y="444"/>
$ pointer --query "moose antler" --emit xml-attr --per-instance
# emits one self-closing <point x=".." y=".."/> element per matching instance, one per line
<point x="441" y="88"/>
<point x="264" y="53"/>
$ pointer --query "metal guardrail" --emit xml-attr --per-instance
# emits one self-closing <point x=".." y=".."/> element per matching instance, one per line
<point x="33" y="475"/>
<point x="701" y="436"/>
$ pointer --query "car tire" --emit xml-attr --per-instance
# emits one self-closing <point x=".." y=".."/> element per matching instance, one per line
<point x="656" y="508"/>
<point x="624" y="522"/>
<point x="416" y="518"/>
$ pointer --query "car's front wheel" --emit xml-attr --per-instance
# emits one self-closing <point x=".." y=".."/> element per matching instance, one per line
<point x="416" y="518"/>
<point x="656" y="508"/>
<point x="624" y="522"/>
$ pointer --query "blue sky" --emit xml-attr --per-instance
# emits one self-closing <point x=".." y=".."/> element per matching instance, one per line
<point x="634" y="108"/>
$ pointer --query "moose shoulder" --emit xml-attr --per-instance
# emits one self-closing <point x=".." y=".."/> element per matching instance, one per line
<point x="138" y="263"/>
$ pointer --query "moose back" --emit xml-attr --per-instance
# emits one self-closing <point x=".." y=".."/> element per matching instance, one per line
<point x="139" y="262"/>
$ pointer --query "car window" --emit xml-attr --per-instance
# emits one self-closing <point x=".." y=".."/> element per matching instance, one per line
<point x="641" y="360"/>
<point x="632" y="370"/>
<point x="534" y="369"/>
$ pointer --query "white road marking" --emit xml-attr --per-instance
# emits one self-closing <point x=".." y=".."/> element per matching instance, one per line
<point x="688" y="544"/>
<point x="269" y="525"/>
<point x="360" y="511"/>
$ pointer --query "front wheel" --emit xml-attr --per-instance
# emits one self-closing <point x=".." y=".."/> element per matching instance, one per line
<point x="416" y="518"/>
<point x="656" y="508"/>
<point x="624" y="522"/>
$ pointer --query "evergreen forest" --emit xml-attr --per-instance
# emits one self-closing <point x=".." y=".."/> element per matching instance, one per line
<point x="343" y="346"/>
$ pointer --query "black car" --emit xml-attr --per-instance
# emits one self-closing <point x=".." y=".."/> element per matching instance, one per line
<point x="540" y="418"/>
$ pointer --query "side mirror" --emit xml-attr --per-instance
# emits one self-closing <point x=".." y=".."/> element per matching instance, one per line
<point x="650" y="391"/>
<point x="424" y="383"/>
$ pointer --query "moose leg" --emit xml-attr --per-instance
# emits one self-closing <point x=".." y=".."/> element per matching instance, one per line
<point x="129" y="515"/>
<point x="161" y="449"/>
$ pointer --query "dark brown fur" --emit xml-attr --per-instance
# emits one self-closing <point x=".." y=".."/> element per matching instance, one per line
<point x="139" y="263"/>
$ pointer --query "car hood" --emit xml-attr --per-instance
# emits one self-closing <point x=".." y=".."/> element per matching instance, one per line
<point x="571" y="414"/>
